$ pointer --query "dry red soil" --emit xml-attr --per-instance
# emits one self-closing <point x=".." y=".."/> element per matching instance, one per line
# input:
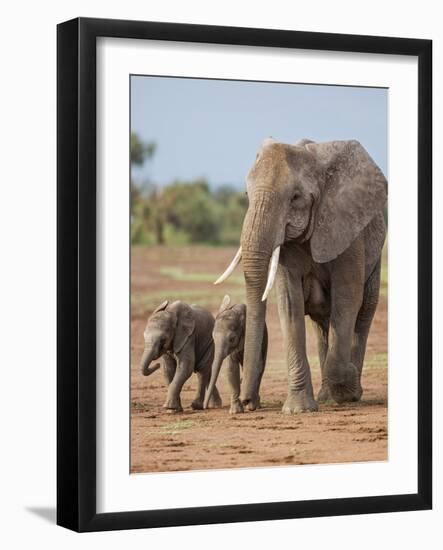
<point x="198" y="440"/>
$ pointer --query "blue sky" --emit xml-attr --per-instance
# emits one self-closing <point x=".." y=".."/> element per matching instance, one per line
<point x="213" y="128"/>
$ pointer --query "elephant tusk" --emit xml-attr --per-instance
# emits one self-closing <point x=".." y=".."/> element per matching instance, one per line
<point x="230" y="268"/>
<point x="271" y="273"/>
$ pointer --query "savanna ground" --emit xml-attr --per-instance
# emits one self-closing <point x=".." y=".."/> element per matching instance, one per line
<point x="200" y="440"/>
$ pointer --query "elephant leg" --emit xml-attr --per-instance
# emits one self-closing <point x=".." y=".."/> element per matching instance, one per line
<point x="233" y="376"/>
<point x="254" y="403"/>
<point x="202" y="383"/>
<point x="215" y="401"/>
<point x="169" y="367"/>
<point x="322" y="329"/>
<point x="347" y="284"/>
<point x="292" y="318"/>
<point x="260" y="376"/>
<point x="262" y="365"/>
<point x="364" y="319"/>
<point x="183" y="371"/>
<point x="204" y="376"/>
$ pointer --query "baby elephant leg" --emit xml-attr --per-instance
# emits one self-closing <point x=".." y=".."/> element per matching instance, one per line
<point x="202" y="383"/>
<point x="215" y="401"/>
<point x="169" y="367"/>
<point x="233" y="374"/>
<point x="182" y="373"/>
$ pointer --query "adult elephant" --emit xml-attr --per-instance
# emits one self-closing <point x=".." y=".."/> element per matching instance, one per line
<point x="315" y="224"/>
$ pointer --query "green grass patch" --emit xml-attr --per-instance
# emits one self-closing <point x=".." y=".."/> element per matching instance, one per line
<point x="180" y="425"/>
<point x="270" y="404"/>
<point x="175" y="428"/>
<point x="209" y="298"/>
<point x="377" y="361"/>
<point x="178" y="274"/>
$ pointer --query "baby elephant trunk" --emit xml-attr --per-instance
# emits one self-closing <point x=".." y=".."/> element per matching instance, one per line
<point x="215" y="371"/>
<point x="147" y="356"/>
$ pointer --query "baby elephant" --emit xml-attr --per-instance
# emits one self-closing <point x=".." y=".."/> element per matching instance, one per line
<point x="181" y="335"/>
<point x="229" y="340"/>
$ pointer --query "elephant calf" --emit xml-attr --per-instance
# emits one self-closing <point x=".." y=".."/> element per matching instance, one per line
<point x="181" y="335"/>
<point x="229" y="340"/>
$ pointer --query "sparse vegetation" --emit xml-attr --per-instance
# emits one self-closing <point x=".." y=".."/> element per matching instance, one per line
<point x="182" y="212"/>
<point x="178" y="274"/>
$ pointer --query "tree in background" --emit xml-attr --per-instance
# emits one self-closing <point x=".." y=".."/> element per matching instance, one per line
<point x="146" y="211"/>
<point x="234" y="205"/>
<point x="183" y="212"/>
<point x="190" y="208"/>
<point x="140" y="151"/>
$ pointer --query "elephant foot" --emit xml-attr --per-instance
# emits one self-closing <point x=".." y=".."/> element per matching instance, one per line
<point x="344" y="386"/>
<point x="173" y="406"/>
<point x="250" y="402"/>
<point x="298" y="402"/>
<point x="197" y="405"/>
<point x="324" y="394"/>
<point x="236" y="407"/>
<point x="254" y="404"/>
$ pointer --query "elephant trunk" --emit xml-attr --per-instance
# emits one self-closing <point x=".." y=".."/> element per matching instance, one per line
<point x="146" y="359"/>
<point x="255" y="273"/>
<point x="215" y="371"/>
<point x="258" y="242"/>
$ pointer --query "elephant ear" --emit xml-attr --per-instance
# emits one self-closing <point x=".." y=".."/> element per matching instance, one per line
<point x="161" y="307"/>
<point x="185" y="326"/>
<point x="226" y="302"/>
<point x="354" y="191"/>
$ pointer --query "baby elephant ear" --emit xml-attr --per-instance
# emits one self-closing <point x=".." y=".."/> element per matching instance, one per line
<point x="226" y="302"/>
<point x="161" y="307"/>
<point x="185" y="326"/>
<point x="354" y="191"/>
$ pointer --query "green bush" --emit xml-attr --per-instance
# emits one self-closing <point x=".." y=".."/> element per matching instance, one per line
<point x="183" y="212"/>
<point x="187" y="212"/>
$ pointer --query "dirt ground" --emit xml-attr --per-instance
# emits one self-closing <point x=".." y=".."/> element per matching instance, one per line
<point x="200" y="440"/>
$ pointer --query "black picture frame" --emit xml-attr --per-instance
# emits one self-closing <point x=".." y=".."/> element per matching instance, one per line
<point x="76" y="278"/>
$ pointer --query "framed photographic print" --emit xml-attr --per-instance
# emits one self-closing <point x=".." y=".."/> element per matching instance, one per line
<point x="293" y="170"/>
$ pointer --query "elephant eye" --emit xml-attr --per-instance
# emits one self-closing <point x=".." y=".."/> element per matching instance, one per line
<point x="295" y="196"/>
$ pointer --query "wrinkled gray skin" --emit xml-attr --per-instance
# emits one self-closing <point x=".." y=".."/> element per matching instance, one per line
<point x="322" y="203"/>
<point x="181" y="335"/>
<point x="229" y="339"/>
